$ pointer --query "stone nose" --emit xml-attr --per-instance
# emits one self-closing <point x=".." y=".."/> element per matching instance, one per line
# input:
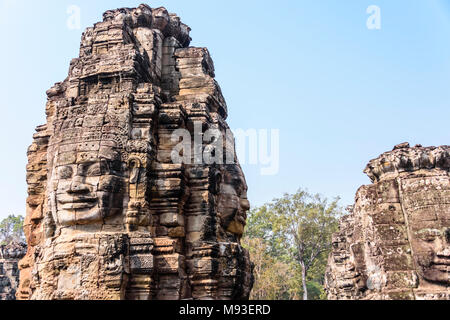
<point x="78" y="186"/>
<point x="444" y="252"/>
<point x="245" y="204"/>
<point x="443" y="249"/>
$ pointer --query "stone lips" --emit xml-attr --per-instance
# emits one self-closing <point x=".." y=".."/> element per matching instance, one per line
<point x="109" y="215"/>
<point x="395" y="243"/>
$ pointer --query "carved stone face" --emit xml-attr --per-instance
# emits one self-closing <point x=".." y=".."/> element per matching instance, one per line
<point x="233" y="203"/>
<point x="428" y="220"/>
<point x="431" y="247"/>
<point x="87" y="192"/>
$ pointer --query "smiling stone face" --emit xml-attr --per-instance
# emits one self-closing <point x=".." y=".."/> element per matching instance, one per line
<point x="233" y="202"/>
<point x="430" y="242"/>
<point x="88" y="191"/>
<point x="427" y="213"/>
<point x="87" y="173"/>
<point x="432" y="253"/>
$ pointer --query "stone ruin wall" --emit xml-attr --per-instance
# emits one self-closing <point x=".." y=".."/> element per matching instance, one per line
<point x="9" y="269"/>
<point x="395" y="244"/>
<point x="109" y="214"/>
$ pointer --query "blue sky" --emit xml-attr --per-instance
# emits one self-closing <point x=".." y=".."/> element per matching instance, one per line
<point x="340" y="93"/>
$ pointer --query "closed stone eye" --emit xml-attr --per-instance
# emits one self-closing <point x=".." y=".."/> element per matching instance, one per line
<point x="428" y="235"/>
<point x="94" y="170"/>
<point x="428" y="238"/>
<point x="65" y="172"/>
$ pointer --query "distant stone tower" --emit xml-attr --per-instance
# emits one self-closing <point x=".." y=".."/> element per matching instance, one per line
<point x="396" y="242"/>
<point x="9" y="270"/>
<point x="110" y="215"/>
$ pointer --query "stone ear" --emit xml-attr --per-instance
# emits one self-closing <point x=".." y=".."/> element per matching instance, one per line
<point x="49" y="225"/>
<point x="134" y="167"/>
<point x="136" y="187"/>
<point x="217" y="181"/>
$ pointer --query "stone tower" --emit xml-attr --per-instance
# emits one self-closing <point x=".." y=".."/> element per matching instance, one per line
<point x="110" y="214"/>
<point x="395" y="244"/>
<point x="9" y="271"/>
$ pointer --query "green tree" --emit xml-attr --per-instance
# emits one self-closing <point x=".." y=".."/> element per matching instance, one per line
<point x="260" y="226"/>
<point x="274" y="278"/>
<point x="305" y="224"/>
<point x="291" y="237"/>
<point x="11" y="230"/>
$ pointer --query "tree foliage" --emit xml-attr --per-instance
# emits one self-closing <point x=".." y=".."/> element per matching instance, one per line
<point x="11" y="230"/>
<point x="275" y="279"/>
<point x="289" y="241"/>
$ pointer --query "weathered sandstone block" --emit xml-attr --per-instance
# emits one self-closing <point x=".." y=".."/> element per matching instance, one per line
<point x="110" y="214"/>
